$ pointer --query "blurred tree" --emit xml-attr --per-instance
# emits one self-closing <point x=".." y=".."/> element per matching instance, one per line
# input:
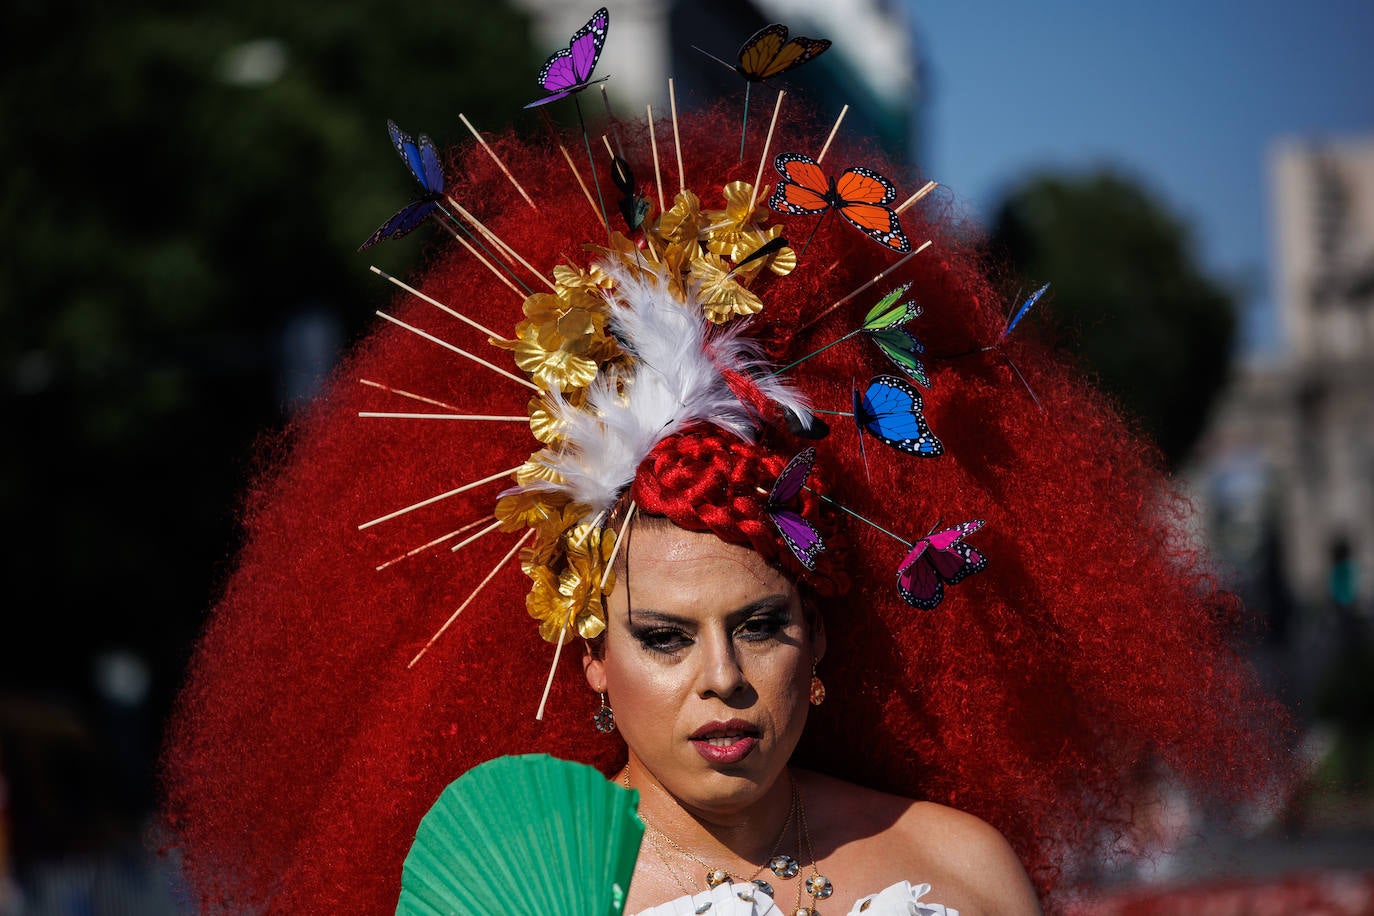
<point x="1127" y="289"/>
<point x="181" y="179"/>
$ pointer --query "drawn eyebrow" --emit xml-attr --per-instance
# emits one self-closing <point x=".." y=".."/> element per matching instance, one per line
<point x="766" y="603"/>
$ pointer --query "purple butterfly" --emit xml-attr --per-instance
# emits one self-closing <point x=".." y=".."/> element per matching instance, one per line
<point x="422" y="159"/>
<point x="570" y="70"/>
<point x="801" y="536"/>
<point x="935" y="560"/>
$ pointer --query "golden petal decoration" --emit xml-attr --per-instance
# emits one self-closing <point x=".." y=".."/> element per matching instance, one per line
<point x="530" y="509"/>
<point x="721" y="296"/>
<point x="544" y="600"/>
<point x="570" y="279"/>
<point x="682" y="221"/>
<point x="543" y="307"/>
<point x="543" y="424"/>
<point x="577" y="328"/>
<point x="536" y="467"/>
<point x="540" y="555"/>
<point x="541" y="353"/>
<point x="739" y="209"/>
<point x="590" y="624"/>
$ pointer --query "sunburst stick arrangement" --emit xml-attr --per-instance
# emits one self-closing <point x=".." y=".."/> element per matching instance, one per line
<point x="647" y="340"/>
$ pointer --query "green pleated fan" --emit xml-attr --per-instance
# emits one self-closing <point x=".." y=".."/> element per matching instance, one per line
<point x="529" y="835"/>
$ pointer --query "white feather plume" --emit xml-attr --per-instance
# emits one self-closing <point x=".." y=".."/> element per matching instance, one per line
<point x="673" y="381"/>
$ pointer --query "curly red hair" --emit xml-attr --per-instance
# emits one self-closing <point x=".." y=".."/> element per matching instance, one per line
<point x="303" y="752"/>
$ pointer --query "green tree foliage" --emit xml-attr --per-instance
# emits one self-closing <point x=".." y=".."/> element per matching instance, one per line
<point x="1128" y="291"/>
<point x="180" y="179"/>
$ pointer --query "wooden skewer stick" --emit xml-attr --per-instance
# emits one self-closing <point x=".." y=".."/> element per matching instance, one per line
<point x="609" y="152"/>
<point x="767" y="142"/>
<point x="610" y="119"/>
<point x="496" y="240"/>
<point x="407" y="394"/>
<point x="434" y="499"/>
<point x="876" y="277"/>
<point x="494" y="158"/>
<point x="553" y="668"/>
<point x="563" y="633"/>
<point x="439" y="540"/>
<point x="620" y="538"/>
<point x="485" y="263"/>
<point x="460" y="351"/>
<point x="468" y="540"/>
<point x="591" y="526"/>
<point x="677" y="143"/>
<point x="436" y="303"/>
<point x="832" y="134"/>
<point x="925" y="189"/>
<point x="653" y="144"/>
<point x="373" y="414"/>
<point x="462" y="607"/>
<point x="586" y="192"/>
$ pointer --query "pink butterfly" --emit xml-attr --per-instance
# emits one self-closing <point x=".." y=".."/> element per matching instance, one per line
<point x="937" y="559"/>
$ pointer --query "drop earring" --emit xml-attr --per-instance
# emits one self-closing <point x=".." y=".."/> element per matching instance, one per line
<point x="603" y="720"/>
<point x="817" y="688"/>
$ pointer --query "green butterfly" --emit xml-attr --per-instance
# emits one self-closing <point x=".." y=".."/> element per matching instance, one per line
<point x="882" y="325"/>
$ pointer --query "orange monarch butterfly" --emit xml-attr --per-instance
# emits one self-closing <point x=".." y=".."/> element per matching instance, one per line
<point x="860" y="195"/>
<point x="767" y="53"/>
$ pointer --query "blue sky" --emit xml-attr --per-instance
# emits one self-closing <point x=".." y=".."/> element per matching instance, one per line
<point x="1187" y="97"/>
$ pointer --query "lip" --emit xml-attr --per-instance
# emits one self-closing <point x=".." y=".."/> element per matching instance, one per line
<point x="740" y="738"/>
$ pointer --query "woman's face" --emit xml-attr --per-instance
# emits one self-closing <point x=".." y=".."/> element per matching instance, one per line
<point x="707" y="662"/>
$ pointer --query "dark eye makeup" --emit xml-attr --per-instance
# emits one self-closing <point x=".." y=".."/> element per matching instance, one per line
<point x="756" y="622"/>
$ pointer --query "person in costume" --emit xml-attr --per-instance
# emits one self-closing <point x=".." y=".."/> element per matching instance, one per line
<point x="740" y="498"/>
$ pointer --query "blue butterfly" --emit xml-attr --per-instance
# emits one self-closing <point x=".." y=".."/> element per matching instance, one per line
<point x="422" y="159"/>
<point x="890" y="408"/>
<point x="1021" y="312"/>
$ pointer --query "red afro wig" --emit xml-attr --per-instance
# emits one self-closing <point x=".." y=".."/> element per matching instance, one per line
<point x="304" y="752"/>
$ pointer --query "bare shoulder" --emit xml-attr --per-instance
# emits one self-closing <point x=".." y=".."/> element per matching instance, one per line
<point x="887" y="838"/>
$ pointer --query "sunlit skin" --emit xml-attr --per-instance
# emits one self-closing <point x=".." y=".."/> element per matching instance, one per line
<point x="707" y="662"/>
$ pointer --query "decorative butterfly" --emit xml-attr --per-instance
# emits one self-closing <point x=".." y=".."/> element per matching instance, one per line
<point x="633" y="207"/>
<point x="890" y="408"/>
<point x="881" y="325"/>
<point x="570" y="70"/>
<point x="938" y="559"/>
<point x="801" y="536"/>
<point x="422" y="159"/>
<point x="860" y="195"/>
<point x="769" y="52"/>
<point x="1021" y="312"/>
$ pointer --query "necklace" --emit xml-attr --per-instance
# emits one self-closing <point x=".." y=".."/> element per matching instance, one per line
<point x="782" y="865"/>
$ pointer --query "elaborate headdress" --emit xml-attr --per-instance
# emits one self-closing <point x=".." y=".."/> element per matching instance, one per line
<point x="659" y="345"/>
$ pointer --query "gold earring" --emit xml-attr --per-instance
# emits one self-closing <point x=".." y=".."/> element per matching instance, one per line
<point x="817" y="688"/>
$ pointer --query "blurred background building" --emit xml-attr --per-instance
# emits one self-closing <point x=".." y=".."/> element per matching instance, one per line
<point x="1286" y="470"/>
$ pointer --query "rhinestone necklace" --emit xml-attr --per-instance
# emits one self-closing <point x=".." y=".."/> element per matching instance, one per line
<point x="781" y="865"/>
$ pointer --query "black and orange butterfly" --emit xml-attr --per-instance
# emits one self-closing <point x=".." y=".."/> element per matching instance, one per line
<point x="860" y="195"/>
<point x="769" y="52"/>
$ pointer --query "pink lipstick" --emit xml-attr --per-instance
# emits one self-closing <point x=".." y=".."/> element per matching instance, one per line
<point x="725" y="742"/>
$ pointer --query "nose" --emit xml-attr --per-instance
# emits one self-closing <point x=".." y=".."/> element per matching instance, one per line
<point x="721" y="674"/>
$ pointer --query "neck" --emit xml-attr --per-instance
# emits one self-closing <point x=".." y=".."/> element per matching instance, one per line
<point x="727" y="836"/>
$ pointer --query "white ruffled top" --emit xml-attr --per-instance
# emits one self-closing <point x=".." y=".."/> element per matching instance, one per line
<point x="901" y="899"/>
